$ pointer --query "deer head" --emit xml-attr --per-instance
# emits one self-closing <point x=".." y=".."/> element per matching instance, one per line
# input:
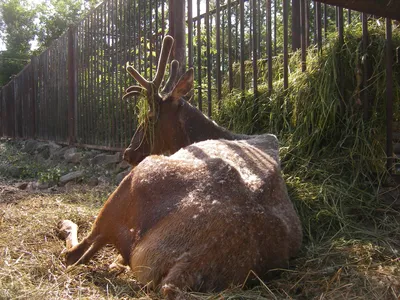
<point x="160" y="131"/>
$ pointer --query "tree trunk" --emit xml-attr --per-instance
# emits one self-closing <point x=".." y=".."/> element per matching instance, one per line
<point x="382" y="8"/>
<point x="177" y="31"/>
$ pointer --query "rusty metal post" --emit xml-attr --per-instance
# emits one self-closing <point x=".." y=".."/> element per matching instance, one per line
<point x="389" y="96"/>
<point x="72" y="84"/>
<point x="177" y="23"/>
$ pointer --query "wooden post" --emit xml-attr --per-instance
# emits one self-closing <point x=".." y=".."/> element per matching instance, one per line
<point x="72" y="84"/>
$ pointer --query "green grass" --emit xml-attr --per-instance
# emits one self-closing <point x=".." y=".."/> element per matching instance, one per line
<point x="333" y="157"/>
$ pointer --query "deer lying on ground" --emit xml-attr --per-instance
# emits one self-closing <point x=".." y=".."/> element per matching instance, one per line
<point x="200" y="219"/>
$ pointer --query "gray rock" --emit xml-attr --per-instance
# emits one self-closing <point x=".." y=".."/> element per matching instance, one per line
<point x="22" y="185"/>
<point x="93" y="181"/>
<point x="31" y="186"/>
<point x="73" y="158"/>
<point x="104" y="180"/>
<point x="72" y="155"/>
<point x="70" y="185"/>
<point x="123" y="165"/>
<point x="54" y="147"/>
<point x="92" y="153"/>
<point x="104" y="159"/>
<point x="30" y="146"/>
<point x="71" y="176"/>
<point x="121" y="176"/>
<point x="42" y="185"/>
<point x="43" y="150"/>
<point x="58" y="154"/>
<point x="69" y="151"/>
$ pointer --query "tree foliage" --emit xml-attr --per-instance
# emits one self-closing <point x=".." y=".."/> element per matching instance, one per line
<point x="56" y="15"/>
<point x="28" y="28"/>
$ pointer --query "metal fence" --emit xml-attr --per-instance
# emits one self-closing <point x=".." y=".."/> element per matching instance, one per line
<point x="71" y="93"/>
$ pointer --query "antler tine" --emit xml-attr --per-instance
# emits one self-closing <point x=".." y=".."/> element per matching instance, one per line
<point x="173" y="73"/>
<point x="132" y="91"/>
<point x="162" y="62"/>
<point x="135" y="74"/>
<point x="132" y="88"/>
<point x="130" y="94"/>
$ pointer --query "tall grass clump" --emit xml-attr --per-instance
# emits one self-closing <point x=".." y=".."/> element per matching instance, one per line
<point x="332" y="151"/>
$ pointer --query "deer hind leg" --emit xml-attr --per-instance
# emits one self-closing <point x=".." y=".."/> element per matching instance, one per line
<point x="181" y="277"/>
<point x="79" y="253"/>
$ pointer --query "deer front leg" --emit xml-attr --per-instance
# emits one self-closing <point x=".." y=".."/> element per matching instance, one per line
<point x="68" y="230"/>
<point x="79" y="253"/>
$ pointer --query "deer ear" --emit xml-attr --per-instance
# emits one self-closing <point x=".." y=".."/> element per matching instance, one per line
<point x="184" y="85"/>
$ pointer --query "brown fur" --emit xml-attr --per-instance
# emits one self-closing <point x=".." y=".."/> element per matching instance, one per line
<point x="201" y="219"/>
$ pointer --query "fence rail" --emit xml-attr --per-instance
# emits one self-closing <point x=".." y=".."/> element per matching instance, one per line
<point x="71" y="93"/>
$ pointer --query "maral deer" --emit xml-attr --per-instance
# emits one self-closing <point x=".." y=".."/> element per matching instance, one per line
<point x="200" y="219"/>
<point x="175" y="123"/>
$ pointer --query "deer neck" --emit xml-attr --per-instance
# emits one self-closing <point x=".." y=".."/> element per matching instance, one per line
<point x="199" y="127"/>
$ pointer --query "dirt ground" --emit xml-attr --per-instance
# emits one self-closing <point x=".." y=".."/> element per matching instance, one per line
<point x="31" y="257"/>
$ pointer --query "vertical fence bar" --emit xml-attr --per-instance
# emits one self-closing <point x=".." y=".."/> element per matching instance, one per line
<point x="318" y="24"/>
<point x="72" y="83"/>
<point x="208" y="45"/>
<point x="340" y="25"/>
<point x="218" y="58"/>
<point x="230" y="58"/>
<point x="307" y="22"/>
<point x="199" y="81"/>
<point x="349" y="16"/>
<point x="365" y="42"/>
<point x="34" y="64"/>
<point x="389" y="96"/>
<point x="16" y="108"/>
<point x="1" y="113"/>
<point x="325" y="21"/>
<point x="242" y="67"/>
<point x="275" y="3"/>
<point x="89" y="138"/>
<point x="190" y="33"/>
<point x="296" y="32"/>
<point x="269" y="45"/>
<point x="255" y="55"/>
<point x="285" y="45"/>
<point x="303" y="36"/>
<point x="120" y="37"/>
